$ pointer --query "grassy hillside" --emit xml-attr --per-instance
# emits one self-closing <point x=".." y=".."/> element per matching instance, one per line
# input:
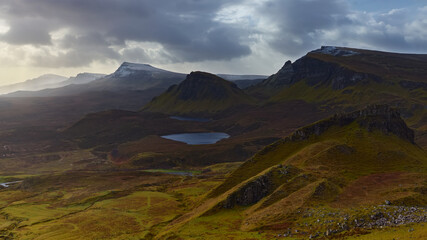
<point x="323" y="179"/>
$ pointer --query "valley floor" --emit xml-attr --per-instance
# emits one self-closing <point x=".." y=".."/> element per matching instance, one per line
<point x="143" y="204"/>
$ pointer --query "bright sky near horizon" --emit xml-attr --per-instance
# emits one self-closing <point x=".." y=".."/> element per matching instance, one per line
<point x="67" y="37"/>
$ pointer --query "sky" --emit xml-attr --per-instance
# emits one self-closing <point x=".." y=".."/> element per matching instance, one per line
<point x="67" y="37"/>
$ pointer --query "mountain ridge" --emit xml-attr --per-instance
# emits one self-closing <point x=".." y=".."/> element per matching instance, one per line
<point x="127" y="77"/>
<point x="38" y="83"/>
<point x="83" y="78"/>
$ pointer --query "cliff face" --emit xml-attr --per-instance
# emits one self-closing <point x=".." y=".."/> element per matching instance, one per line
<point x="256" y="189"/>
<point x="374" y="117"/>
<point x="251" y="192"/>
<point x="315" y="71"/>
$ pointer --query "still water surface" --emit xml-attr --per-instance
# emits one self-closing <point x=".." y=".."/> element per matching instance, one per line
<point x="197" y="138"/>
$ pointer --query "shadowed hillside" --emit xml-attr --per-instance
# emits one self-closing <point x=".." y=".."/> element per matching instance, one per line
<point x="199" y="94"/>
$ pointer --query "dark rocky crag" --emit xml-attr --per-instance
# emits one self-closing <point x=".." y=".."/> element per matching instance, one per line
<point x="260" y="187"/>
<point x="375" y="117"/>
<point x="315" y="71"/>
<point x="251" y="192"/>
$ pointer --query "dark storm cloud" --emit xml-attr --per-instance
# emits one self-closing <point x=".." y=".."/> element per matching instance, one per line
<point x="27" y="33"/>
<point x="75" y="33"/>
<point x="307" y="24"/>
<point x="224" y="38"/>
<point x="183" y="27"/>
<point x="81" y="51"/>
<point x="299" y="21"/>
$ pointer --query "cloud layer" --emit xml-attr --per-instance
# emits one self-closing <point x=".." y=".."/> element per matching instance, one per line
<point x="76" y="33"/>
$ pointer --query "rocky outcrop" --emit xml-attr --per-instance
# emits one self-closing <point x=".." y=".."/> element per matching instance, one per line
<point x="251" y="193"/>
<point x="315" y="71"/>
<point x="283" y="77"/>
<point x="375" y="117"/>
<point x="256" y="189"/>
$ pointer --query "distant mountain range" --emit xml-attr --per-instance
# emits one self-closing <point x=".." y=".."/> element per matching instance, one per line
<point x="83" y="78"/>
<point x="49" y="81"/>
<point x="35" y="84"/>
<point x="128" y="77"/>
<point x="130" y="87"/>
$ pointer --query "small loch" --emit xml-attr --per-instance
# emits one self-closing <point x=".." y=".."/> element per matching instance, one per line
<point x="191" y="119"/>
<point x="7" y="184"/>
<point x="197" y="138"/>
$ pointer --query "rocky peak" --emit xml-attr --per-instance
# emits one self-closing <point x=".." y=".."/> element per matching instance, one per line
<point x="283" y="77"/>
<point x="374" y="117"/>
<point x="287" y="64"/>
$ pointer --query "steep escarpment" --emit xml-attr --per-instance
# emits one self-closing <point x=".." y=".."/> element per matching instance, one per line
<point x="343" y="78"/>
<point x="199" y="94"/>
<point x="374" y="117"/>
<point x="315" y="71"/>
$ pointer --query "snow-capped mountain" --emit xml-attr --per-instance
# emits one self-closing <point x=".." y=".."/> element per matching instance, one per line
<point x="335" y="51"/>
<point x="127" y="69"/>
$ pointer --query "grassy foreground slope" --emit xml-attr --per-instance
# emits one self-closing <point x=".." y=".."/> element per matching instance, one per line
<point x="348" y="175"/>
<point x="98" y="204"/>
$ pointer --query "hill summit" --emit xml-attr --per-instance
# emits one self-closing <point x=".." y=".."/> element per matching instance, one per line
<point x="128" y="68"/>
<point x="200" y="93"/>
